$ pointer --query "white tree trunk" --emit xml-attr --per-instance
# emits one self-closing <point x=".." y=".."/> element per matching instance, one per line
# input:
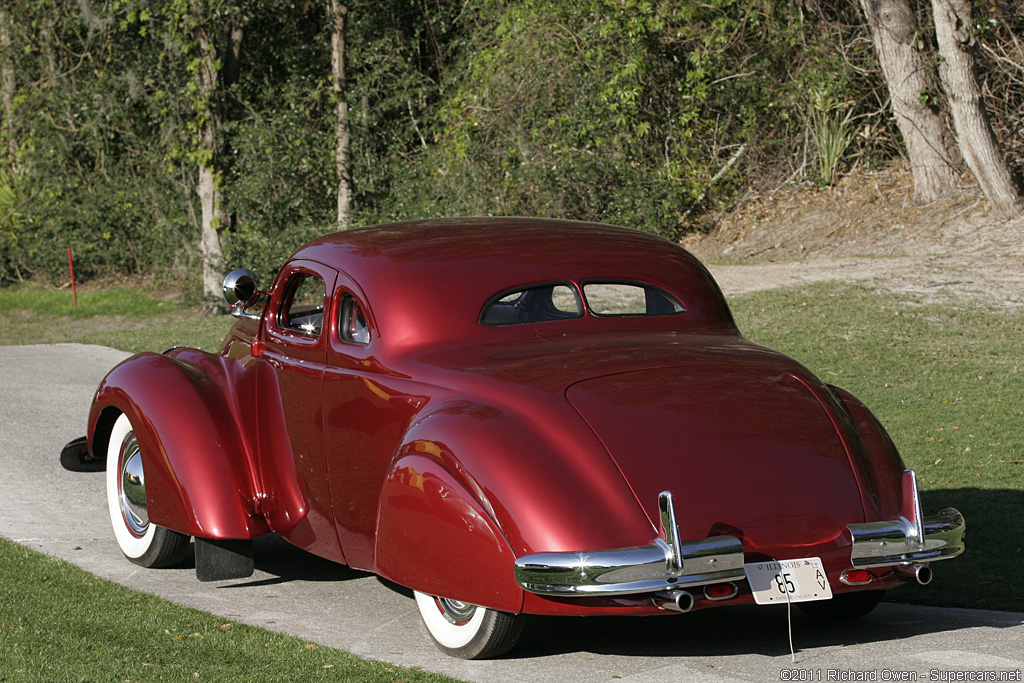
<point x="207" y="188"/>
<point x="934" y="160"/>
<point x="7" y="86"/>
<point x="974" y="134"/>
<point x="339" y="16"/>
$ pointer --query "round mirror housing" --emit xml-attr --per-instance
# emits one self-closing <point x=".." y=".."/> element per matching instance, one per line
<point x="240" y="287"/>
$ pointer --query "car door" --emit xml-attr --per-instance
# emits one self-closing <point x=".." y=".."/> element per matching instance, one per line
<point x="295" y="351"/>
<point x="367" y="409"/>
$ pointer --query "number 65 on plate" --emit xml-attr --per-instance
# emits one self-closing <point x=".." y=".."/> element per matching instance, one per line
<point x="801" y="580"/>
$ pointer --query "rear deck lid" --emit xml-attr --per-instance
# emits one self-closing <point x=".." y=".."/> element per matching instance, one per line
<point x="745" y="448"/>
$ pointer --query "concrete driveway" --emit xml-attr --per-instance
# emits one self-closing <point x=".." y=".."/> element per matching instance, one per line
<point x="44" y="400"/>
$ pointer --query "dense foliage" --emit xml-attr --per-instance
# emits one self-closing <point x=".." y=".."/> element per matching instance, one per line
<point x="649" y="113"/>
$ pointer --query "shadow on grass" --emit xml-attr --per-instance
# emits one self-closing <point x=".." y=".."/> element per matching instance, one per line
<point x="988" y="574"/>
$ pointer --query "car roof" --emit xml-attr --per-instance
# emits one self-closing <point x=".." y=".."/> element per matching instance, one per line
<point x="429" y="280"/>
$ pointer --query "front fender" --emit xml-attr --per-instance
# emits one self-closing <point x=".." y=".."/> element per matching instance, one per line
<point x="199" y="470"/>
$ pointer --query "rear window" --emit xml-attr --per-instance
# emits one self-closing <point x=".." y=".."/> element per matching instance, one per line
<point x="559" y="301"/>
<point x="533" y="304"/>
<point x="629" y="298"/>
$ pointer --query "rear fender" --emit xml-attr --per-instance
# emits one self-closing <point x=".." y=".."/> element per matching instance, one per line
<point x="200" y="478"/>
<point x="434" y="536"/>
<point x="881" y="455"/>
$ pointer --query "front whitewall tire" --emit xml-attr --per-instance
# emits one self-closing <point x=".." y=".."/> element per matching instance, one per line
<point x="141" y="542"/>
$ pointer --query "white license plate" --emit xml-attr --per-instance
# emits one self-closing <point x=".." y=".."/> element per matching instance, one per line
<point x="801" y="580"/>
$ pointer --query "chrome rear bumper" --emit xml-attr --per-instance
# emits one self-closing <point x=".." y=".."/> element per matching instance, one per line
<point x="660" y="565"/>
<point x="911" y="539"/>
<point x="672" y="564"/>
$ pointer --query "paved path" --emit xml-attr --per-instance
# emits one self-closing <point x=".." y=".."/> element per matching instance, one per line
<point x="44" y="399"/>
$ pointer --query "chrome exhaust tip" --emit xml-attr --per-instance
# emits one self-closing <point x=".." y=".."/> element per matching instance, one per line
<point x="921" y="573"/>
<point x="675" y="601"/>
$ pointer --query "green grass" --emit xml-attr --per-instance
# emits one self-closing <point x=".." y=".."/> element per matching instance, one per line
<point x="200" y="333"/>
<point x="118" y="317"/>
<point x="59" y="623"/>
<point x="947" y="381"/>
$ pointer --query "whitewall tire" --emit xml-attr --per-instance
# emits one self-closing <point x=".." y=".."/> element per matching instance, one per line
<point x="141" y="542"/>
<point x="468" y="631"/>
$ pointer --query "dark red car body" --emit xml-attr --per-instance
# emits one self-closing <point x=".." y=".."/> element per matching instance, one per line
<point x="444" y="450"/>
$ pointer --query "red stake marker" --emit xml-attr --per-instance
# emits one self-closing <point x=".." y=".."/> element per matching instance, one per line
<point x="71" y="267"/>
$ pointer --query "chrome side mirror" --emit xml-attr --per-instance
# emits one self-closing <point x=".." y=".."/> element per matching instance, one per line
<point x="240" y="288"/>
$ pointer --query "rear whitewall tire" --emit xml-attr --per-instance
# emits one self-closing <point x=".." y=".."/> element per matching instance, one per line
<point x="141" y="542"/>
<point x="467" y="631"/>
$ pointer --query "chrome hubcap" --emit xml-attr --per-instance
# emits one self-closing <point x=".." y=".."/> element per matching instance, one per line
<point x="455" y="611"/>
<point x="132" y="487"/>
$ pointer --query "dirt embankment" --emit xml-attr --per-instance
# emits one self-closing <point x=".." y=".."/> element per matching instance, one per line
<point x="868" y="229"/>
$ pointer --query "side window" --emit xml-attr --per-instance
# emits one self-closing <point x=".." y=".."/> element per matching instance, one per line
<point x="354" y="329"/>
<point x="303" y="306"/>
<point x="536" y="304"/>
<point x="627" y="298"/>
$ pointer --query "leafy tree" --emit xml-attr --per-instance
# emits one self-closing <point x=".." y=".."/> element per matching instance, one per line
<point x="953" y="28"/>
<point x="132" y="128"/>
<point x="89" y="113"/>
<point x="622" y="111"/>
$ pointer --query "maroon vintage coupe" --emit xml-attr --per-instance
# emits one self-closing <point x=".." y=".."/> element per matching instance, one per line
<point x="510" y="417"/>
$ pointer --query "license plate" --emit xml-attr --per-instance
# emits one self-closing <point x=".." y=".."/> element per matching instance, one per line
<point x="801" y="580"/>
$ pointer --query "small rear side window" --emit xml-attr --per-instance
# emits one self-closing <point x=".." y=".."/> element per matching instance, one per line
<point x="354" y="329"/>
<point x="534" y="304"/>
<point x="629" y="298"/>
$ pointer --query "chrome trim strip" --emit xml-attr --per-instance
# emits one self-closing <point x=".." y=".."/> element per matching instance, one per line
<point x="913" y="538"/>
<point x="239" y="312"/>
<point x="664" y="564"/>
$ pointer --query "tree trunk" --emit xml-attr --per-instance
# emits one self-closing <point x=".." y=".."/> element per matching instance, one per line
<point x="207" y="188"/>
<point x="974" y="134"/>
<point x="339" y="17"/>
<point x="7" y="85"/>
<point x="934" y="160"/>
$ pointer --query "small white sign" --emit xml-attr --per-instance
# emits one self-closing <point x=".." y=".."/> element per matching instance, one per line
<point x="802" y="580"/>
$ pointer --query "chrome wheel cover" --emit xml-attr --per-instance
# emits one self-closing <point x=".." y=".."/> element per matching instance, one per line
<point x="131" y="487"/>
<point x="455" y="611"/>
